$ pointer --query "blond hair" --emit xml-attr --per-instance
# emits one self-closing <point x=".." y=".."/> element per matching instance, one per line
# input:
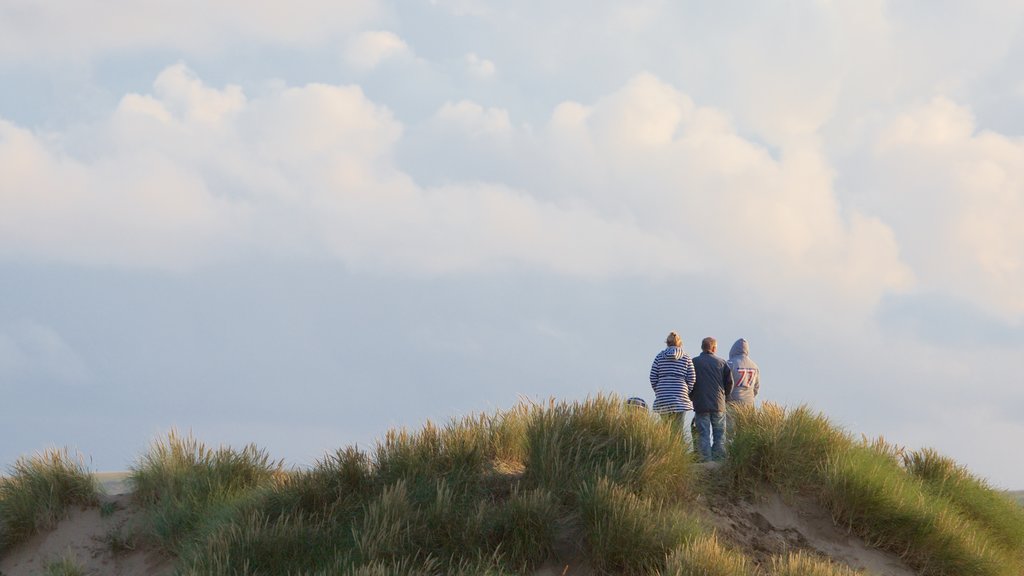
<point x="673" y="339"/>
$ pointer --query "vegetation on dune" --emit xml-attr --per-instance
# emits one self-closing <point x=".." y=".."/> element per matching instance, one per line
<point x="591" y="483"/>
<point x="186" y="487"/>
<point x="38" y="491"/>
<point x="935" y="515"/>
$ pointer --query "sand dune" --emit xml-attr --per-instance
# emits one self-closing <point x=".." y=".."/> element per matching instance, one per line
<point x="108" y="543"/>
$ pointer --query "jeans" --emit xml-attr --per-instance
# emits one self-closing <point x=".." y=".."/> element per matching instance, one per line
<point x="711" y="431"/>
<point x="678" y="421"/>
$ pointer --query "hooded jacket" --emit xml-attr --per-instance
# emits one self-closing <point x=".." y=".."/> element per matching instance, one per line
<point x="746" y="375"/>
<point x="714" y="383"/>
<point x="672" y="378"/>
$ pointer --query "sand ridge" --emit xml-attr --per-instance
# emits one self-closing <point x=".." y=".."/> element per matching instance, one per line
<point x="104" y="539"/>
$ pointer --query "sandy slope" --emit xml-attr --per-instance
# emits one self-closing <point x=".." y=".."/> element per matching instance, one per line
<point x="768" y="525"/>
<point x="99" y="543"/>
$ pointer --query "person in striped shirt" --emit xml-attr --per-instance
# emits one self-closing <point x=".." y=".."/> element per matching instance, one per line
<point x="672" y="378"/>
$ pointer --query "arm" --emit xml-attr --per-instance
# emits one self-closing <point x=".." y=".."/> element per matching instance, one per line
<point x="689" y="374"/>
<point x="727" y="380"/>
<point x="757" y="381"/>
<point x="654" y="374"/>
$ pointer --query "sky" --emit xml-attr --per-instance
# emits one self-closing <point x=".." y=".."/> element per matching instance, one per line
<point x="302" y="224"/>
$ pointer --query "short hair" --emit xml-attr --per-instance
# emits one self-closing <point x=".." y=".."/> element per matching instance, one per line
<point x="673" y="339"/>
<point x="708" y="343"/>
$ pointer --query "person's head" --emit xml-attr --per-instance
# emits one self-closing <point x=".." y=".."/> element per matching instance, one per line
<point x="674" y="339"/>
<point x="709" y="344"/>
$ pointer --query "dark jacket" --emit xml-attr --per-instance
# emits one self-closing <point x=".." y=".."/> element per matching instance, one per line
<point x="714" y="383"/>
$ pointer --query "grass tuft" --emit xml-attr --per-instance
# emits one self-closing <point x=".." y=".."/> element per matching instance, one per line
<point x="38" y="492"/>
<point x="802" y="564"/>
<point x="181" y="484"/>
<point x="628" y="534"/>
<point x="706" y="556"/>
<point x="575" y="444"/>
<point x="997" y="513"/>
<point x="66" y="566"/>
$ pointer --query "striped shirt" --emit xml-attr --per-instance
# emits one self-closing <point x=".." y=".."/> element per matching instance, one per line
<point x="672" y="378"/>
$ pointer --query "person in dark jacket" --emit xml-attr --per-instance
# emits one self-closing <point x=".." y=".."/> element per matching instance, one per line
<point x="714" y="383"/>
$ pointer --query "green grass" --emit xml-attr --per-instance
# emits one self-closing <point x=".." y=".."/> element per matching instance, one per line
<point x="999" y="515"/>
<point x="801" y="564"/>
<point x="626" y="533"/>
<point x="939" y="521"/>
<point x="706" y="556"/>
<point x="583" y="483"/>
<point x="183" y="484"/>
<point x="64" y="567"/>
<point x="38" y="491"/>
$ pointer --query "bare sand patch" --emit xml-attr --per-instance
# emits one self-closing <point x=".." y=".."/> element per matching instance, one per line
<point x="101" y="540"/>
<point x="774" y="525"/>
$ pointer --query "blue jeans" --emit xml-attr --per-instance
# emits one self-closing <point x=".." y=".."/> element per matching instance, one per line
<point x="711" y="431"/>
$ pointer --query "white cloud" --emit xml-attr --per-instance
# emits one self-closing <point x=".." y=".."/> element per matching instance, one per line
<point x="473" y="120"/>
<point x="191" y="174"/>
<point x="650" y="152"/>
<point x="367" y="50"/>
<point x="956" y="197"/>
<point x="480" y="67"/>
<point x="644" y="181"/>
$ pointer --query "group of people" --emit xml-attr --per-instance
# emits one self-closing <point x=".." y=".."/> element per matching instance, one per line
<point x="704" y="385"/>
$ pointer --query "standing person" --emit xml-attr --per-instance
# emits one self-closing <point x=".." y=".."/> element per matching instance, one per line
<point x="746" y="378"/>
<point x="714" y="384"/>
<point x="746" y="375"/>
<point x="672" y="378"/>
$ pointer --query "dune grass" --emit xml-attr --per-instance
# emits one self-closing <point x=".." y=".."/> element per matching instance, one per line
<point x="66" y="566"/>
<point x="706" y="556"/>
<point x="491" y="494"/>
<point x="591" y="483"/>
<point x="905" y="510"/>
<point x="1000" y="515"/>
<point x="183" y="484"/>
<point x="38" y="491"/>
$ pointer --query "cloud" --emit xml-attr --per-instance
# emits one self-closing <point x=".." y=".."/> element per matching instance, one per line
<point x="480" y="67"/>
<point x="955" y="196"/>
<point x="776" y="223"/>
<point x="642" y="182"/>
<point x="472" y="120"/>
<point x="190" y="175"/>
<point x="367" y="50"/>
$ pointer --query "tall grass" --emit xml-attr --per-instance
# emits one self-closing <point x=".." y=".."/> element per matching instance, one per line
<point x="493" y="493"/>
<point x="576" y="444"/>
<point x="1000" y="515"/>
<point x="706" y="556"/>
<point x="181" y="483"/>
<point x="801" y="564"/>
<point x="588" y="482"/>
<point x="628" y="534"/>
<point x="38" y="492"/>
<point x="867" y="490"/>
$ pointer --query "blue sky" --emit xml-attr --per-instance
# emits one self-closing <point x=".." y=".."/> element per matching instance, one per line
<point x="302" y="225"/>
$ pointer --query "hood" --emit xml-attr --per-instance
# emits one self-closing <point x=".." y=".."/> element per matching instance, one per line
<point x="740" y="348"/>
<point x="674" y="351"/>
